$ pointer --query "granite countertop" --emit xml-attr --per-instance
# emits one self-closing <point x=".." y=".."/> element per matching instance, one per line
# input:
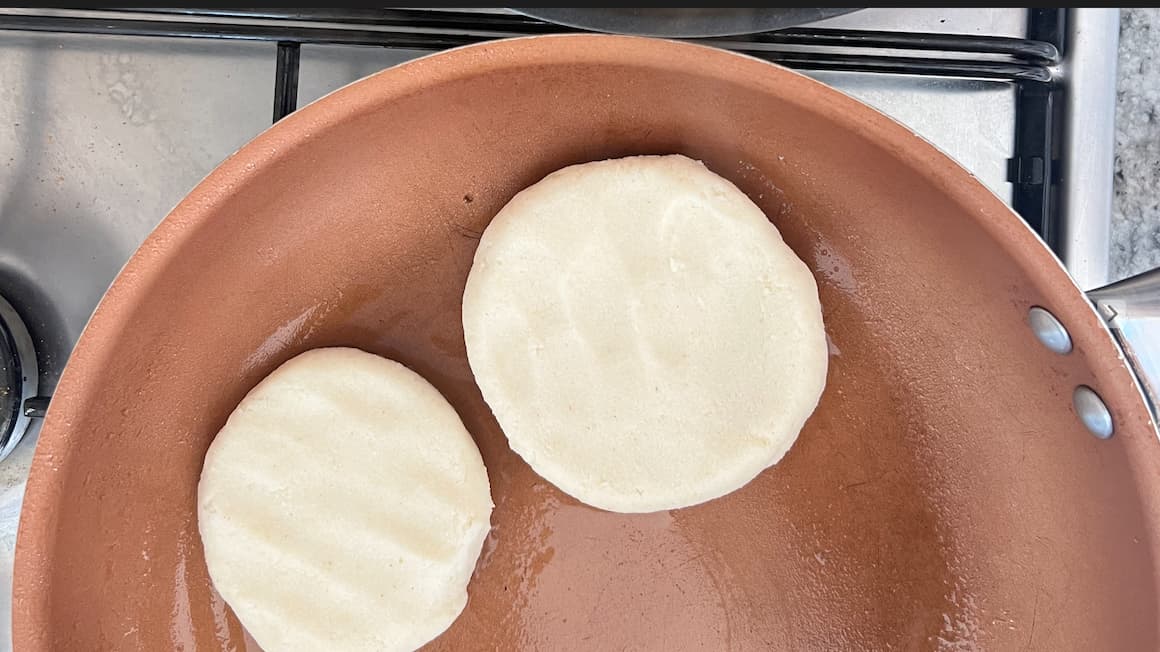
<point x="1135" y="245"/>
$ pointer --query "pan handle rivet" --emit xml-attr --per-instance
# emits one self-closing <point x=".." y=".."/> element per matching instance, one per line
<point x="1049" y="331"/>
<point x="1092" y="411"/>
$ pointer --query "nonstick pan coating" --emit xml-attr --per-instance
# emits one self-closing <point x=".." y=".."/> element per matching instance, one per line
<point x="943" y="494"/>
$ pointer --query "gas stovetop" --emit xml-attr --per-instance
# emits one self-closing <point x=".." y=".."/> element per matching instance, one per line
<point x="108" y="118"/>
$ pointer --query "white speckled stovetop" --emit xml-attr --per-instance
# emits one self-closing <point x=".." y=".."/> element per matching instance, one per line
<point x="1136" y="212"/>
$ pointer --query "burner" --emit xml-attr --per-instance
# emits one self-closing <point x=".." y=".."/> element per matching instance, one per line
<point x="18" y="377"/>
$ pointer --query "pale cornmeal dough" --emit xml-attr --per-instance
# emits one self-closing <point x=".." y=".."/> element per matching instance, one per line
<point x="343" y="506"/>
<point x="642" y="334"/>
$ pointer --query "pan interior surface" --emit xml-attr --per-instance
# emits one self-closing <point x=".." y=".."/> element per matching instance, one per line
<point x="943" y="495"/>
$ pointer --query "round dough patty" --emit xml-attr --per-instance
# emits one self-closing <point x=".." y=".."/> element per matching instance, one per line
<point x="642" y="334"/>
<point x="343" y="506"/>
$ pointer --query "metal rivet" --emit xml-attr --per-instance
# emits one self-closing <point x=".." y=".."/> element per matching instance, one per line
<point x="1049" y="331"/>
<point x="1092" y="411"/>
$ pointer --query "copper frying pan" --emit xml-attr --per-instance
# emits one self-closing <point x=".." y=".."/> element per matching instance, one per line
<point x="944" y="493"/>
